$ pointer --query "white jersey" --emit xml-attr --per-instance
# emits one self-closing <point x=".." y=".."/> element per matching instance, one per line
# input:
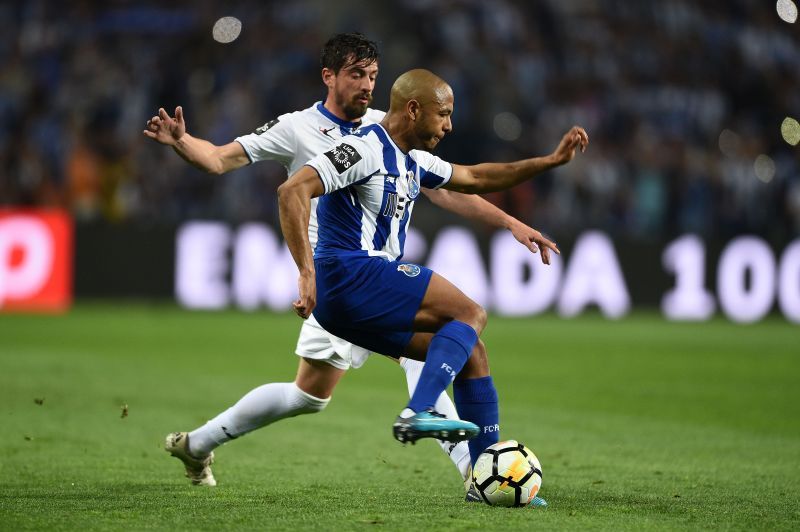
<point x="370" y="188"/>
<point x="293" y="139"/>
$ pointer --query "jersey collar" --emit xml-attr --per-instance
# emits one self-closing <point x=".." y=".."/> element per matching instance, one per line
<point x="335" y="119"/>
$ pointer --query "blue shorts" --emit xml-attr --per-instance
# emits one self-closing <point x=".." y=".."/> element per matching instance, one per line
<point x="370" y="301"/>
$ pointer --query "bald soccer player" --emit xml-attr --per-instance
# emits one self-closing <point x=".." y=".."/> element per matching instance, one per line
<point x="349" y="63"/>
<point x="354" y="280"/>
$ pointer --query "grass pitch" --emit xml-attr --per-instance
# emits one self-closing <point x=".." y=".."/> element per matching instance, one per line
<point x="639" y="424"/>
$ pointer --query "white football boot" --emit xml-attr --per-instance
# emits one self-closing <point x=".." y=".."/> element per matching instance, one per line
<point x="198" y="470"/>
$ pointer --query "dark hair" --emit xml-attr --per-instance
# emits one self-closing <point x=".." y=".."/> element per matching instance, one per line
<point x="345" y="49"/>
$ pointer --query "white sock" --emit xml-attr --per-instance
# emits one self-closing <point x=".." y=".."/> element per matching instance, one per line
<point x="458" y="453"/>
<point x="258" y="408"/>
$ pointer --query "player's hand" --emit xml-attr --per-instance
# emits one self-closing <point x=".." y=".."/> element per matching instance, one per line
<point x="166" y="129"/>
<point x="534" y="241"/>
<point x="307" y="287"/>
<point x="545" y="245"/>
<point x="572" y="140"/>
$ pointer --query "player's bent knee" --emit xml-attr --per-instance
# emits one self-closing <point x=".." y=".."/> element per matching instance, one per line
<point x="478" y="318"/>
<point x="305" y="403"/>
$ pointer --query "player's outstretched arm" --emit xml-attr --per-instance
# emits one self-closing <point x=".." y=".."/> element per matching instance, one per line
<point x="171" y="131"/>
<point x="294" y="203"/>
<point x="476" y="208"/>
<point x="490" y="177"/>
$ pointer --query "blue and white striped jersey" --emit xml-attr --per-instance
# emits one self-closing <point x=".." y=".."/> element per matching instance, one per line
<point x="370" y="188"/>
<point x="293" y="139"/>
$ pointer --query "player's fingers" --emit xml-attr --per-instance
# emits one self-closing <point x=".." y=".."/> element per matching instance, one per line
<point x="553" y="246"/>
<point x="163" y="114"/>
<point x="584" y="139"/>
<point x="179" y="113"/>
<point x="546" y="256"/>
<point x="546" y="243"/>
<point x="149" y="134"/>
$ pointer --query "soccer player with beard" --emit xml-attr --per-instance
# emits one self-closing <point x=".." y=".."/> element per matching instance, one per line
<point x="349" y="70"/>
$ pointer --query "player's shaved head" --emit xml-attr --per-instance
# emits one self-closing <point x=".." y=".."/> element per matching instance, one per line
<point x="421" y="85"/>
<point x="419" y="110"/>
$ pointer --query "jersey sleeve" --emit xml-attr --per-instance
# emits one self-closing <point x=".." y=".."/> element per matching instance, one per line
<point x="274" y="141"/>
<point x="348" y="162"/>
<point x="434" y="172"/>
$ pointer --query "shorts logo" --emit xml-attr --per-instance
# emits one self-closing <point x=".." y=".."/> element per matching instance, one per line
<point x="343" y="156"/>
<point x="412" y="270"/>
<point x="265" y="127"/>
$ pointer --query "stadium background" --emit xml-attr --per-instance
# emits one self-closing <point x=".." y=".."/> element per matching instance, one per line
<point x="688" y="189"/>
<point x="684" y="103"/>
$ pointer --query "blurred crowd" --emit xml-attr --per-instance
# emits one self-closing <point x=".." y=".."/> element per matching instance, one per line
<point x="683" y="101"/>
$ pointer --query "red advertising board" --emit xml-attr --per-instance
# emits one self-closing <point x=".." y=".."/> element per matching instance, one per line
<point x="36" y="256"/>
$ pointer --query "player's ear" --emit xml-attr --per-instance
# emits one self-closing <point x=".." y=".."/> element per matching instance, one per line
<point x="413" y="108"/>
<point x="328" y="77"/>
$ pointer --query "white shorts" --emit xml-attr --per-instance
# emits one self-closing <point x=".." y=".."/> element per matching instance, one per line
<point x="318" y="344"/>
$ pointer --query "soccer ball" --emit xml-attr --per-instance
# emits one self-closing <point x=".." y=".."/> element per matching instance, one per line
<point x="507" y="474"/>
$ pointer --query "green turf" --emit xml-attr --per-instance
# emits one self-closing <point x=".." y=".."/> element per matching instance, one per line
<point x="639" y="424"/>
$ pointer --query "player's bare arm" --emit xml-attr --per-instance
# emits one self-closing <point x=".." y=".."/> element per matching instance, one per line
<point x="490" y="177"/>
<point x="171" y="131"/>
<point x="475" y="208"/>
<point x="294" y="201"/>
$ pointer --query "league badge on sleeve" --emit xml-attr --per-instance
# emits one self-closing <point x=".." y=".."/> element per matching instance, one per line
<point x="343" y="156"/>
<point x="412" y="270"/>
<point x="265" y="127"/>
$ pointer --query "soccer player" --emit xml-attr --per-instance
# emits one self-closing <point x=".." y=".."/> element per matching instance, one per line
<point x="349" y="69"/>
<point x="353" y="279"/>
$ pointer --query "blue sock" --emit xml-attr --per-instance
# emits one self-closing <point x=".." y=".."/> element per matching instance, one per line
<point x="448" y="352"/>
<point x="476" y="401"/>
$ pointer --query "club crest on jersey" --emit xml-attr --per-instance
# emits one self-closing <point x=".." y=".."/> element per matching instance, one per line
<point x="343" y="156"/>
<point x="266" y="126"/>
<point x="413" y="185"/>
<point x="412" y="270"/>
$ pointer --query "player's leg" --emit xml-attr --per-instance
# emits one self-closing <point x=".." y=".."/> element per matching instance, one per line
<point x="473" y="389"/>
<point x="319" y="370"/>
<point x="309" y="393"/>
<point x="458" y="452"/>
<point x="456" y="322"/>
<point x="392" y="305"/>
<point x="456" y="350"/>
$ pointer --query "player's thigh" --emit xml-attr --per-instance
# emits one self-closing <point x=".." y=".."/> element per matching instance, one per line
<point x="417" y="347"/>
<point x="444" y="302"/>
<point x="317" y="378"/>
